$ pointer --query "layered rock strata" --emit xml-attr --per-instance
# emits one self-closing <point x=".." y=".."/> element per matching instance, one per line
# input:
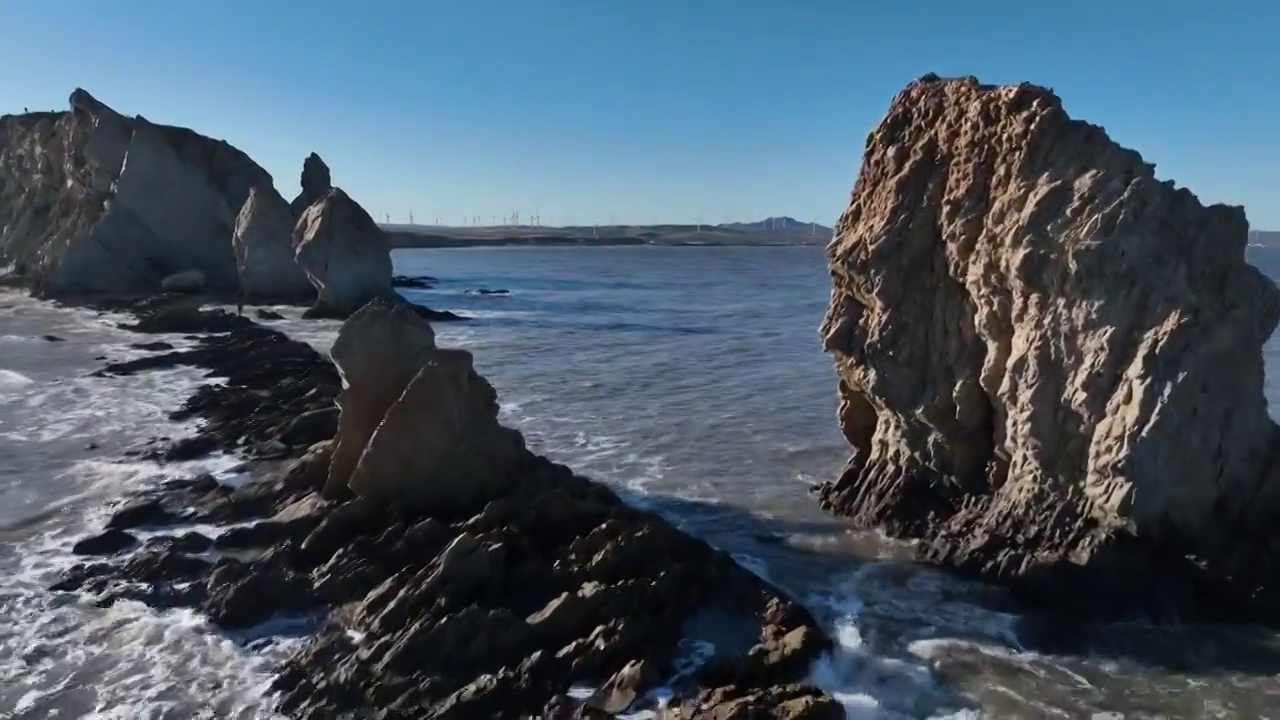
<point x="1050" y="363"/>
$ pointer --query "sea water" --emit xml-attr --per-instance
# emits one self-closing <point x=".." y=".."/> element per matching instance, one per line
<point x="689" y="379"/>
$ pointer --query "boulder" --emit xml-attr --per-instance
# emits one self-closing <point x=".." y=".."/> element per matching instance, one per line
<point x="316" y="181"/>
<point x="1050" y="363"/>
<point x="417" y="427"/>
<point x="344" y="254"/>
<point x="378" y="351"/>
<point x="188" y="281"/>
<point x="263" y="246"/>
<point x="440" y="448"/>
<point x="92" y="201"/>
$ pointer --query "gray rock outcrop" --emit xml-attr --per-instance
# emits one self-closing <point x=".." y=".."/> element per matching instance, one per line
<point x="263" y="246"/>
<point x="344" y="254"/>
<point x="92" y="201"/>
<point x="315" y="180"/>
<point x="1050" y="362"/>
<point x="418" y="427"/>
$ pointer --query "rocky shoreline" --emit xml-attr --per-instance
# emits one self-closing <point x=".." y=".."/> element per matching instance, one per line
<point x="489" y="605"/>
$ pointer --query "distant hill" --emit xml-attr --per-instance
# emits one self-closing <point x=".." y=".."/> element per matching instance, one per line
<point x="775" y="224"/>
<point x="1270" y="238"/>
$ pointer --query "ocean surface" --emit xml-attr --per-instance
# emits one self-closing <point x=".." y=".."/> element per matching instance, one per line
<point x="689" y="379"/>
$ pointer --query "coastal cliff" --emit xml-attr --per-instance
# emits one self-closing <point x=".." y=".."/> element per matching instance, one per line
<point x="92" y="201"/>
<point x="1049" y="362"/>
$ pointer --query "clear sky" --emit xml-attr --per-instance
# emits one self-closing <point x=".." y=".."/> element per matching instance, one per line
<point x="645" y="110"/>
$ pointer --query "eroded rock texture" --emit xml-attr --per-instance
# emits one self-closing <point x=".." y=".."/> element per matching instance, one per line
<point x="92" y="201"/>
<point x="344" y="253"/>
<point x="263" y="245"/>
<point x="1050" y="361"/>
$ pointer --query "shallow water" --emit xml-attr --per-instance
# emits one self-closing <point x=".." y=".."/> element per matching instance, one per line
<point x="691" y="379"/>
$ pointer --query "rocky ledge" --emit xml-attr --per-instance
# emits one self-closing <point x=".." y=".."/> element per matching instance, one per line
<point x="450" y="572"/>
<point x="1050" y="362"/>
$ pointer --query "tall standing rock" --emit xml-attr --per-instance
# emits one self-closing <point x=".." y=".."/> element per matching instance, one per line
<point x="316" y="181"/>
<point x="344" y="253"/>
<point x="419" y="427"/>
<point x="92" y="201"/>
<point x="1050" y="361"/>
<point x="263" y="244"/>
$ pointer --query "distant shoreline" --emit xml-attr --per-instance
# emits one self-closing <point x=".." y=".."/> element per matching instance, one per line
<point x="409" y="236"/>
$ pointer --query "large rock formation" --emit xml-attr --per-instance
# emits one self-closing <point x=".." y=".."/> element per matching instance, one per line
<point x="92" y="201"/>
<point x="315" y="180"/>
<point x="446" y="593"/>
<point x="418" y="426"/>
<point x="344" y="253"/>
<point x="1050" y="361"/>
<point x="263" y="245"/>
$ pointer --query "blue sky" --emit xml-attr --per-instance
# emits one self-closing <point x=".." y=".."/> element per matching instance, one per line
<point x="645" y="110"/>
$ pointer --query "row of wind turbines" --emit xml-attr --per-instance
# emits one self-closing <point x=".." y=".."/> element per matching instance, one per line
<point x="535" y="220"/>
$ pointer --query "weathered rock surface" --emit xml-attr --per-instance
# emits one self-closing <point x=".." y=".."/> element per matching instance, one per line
<point x="487" y="604"/>
<point x="1050" y="362"/>
<point x="420" y="424"/>
<point x="263" y="246"/>
<point x="92" y="201"/>
<point x="315" y="180"/>
<point x="344" y="254"/>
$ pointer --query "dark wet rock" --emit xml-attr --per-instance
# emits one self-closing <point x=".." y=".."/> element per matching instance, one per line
<point x="264" y="314"/>
<point x="415" y="281"/>
<point x="141" y="512"/>
<point x="191" y="448"/>
<point x="190" y="542"/>
<point x="487" y="291"/>
<point x="445" y="592"/>
<point x="179" y="318"/>
<point x="311" y="427"/>
<point x="156" y="346"/>
<point x="52" y="338"/>
<point x="436" y="315"/>
<point x="108" y="542"/>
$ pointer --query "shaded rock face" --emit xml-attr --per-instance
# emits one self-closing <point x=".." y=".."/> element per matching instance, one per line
<point x="544" y="582"/>
<point x="92" y="201"/>
<point x="316" y="181"/>
<point x="263" y="246"/>
<point x="344" y="254"/>
<point x="1050" y="362"/>
<point x="418" y="426"/>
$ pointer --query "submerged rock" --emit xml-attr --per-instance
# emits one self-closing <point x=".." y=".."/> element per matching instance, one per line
<point x="1050" y="362"/>
<point x="92" y="201"/>
<point x="344" y="254"/>
<point x="263" y="245"/>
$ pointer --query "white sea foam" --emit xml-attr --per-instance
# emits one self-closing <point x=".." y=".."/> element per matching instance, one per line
<point x="11" y="380"/>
